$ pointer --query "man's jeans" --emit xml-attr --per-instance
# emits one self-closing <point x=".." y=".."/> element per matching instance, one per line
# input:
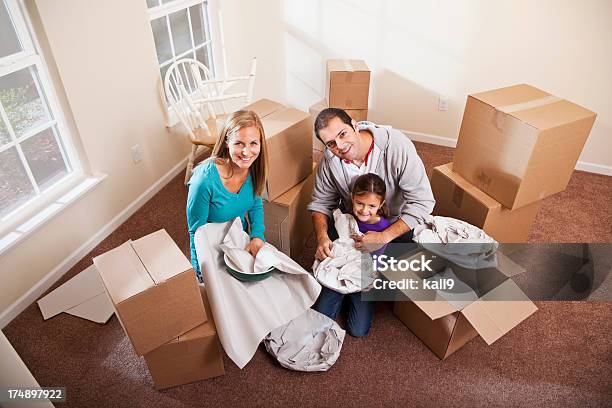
<point x="329" y="302"/>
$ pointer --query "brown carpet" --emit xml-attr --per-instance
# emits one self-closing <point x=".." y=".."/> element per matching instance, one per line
<point x="561" y="356"/>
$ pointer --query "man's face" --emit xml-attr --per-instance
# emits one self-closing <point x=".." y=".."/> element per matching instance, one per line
<point x="341" y="139"/>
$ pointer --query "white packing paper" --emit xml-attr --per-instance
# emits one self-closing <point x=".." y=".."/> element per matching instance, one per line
<point x="245" y="312"/>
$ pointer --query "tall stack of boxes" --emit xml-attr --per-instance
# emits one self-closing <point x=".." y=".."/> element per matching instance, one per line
<point x="290" y="176"/>
<point x="160" y="306"/>
<point x="347" y="86"/>
<point x="517" y="145"/>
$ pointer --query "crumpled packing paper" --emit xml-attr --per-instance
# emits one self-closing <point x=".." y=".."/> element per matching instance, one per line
<point x="310" y="342"/>
<point x="457" y="241"/>
<point x="343" y="271"/>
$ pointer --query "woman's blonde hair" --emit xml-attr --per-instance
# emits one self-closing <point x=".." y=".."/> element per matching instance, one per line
<point x="236" y="121"/>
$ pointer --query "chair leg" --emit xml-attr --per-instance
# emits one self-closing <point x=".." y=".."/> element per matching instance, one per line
<point x="192" y="157"/>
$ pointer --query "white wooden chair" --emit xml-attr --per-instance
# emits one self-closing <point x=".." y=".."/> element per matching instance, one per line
<point x="200" y="102"/>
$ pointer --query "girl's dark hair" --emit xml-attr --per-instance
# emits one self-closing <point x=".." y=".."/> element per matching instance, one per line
<point x="371" y="183"/>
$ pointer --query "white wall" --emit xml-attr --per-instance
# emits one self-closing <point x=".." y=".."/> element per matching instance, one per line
<point x="419" y="50"/>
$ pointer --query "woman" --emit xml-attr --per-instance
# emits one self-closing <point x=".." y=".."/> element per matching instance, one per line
<point x="230" y="183"/>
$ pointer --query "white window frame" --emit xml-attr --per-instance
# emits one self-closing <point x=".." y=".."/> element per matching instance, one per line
<point x="164" y="11"/>
<point x="26" y="218"/>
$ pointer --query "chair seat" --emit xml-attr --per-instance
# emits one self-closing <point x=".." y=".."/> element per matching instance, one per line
<point x="209" y="138"/>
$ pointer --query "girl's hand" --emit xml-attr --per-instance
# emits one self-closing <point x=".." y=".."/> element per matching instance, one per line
<point x="254" y="246"/>
<point x="370" y="241"/>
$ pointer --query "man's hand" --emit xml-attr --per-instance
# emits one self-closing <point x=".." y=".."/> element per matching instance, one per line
<point x="324" y="248"/>
<point x="370" y="241"/>
<point x="254" y="246"/>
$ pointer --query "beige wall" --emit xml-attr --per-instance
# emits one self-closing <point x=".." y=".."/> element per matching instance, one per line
<point x="104" y="55"/>
<point x="419" y="50"/>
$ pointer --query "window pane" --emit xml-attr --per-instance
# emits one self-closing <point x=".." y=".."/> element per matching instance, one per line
<point x="4" y="134"/>
<point x="22" y="102"/>
<point x="202" y="56"/>
<point x="14" y="183"/>
<point x="199" y="36"/>
<point x="9" y="42"/>
<point x="152" y="3"/>
<point x="44" y="158"/>
<point x="162" y="40"/>
<point x="179" y="25"/>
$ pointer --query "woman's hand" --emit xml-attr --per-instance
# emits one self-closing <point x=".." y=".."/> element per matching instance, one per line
<point x="254" y="246"/>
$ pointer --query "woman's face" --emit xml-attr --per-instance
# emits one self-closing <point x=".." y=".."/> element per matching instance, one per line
<point x="244" y="146"/>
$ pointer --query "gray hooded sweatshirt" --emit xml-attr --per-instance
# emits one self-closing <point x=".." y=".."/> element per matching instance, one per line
<point x="409" y="195"/>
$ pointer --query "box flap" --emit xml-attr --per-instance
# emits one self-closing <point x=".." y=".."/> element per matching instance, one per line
<point x="282" y="119"/>
<point x="160" y="256"/>
<point x="461" y="294"/>
<point x="510" y="95"/>
<point x="81" y="288"/>
<point x="263" y="107"/>
<point x="122" y="273"/>
<point x="498" y="311"/>
<point x="97" y="309"/>
<point x="507" y="266"/>
<point x="315" y="109"/>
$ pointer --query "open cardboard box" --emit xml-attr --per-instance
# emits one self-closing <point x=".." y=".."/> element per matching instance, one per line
<point x="153" y="289"/>
<point x="487" y="303"/>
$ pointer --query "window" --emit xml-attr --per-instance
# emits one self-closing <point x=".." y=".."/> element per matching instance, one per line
<point x="35" y="154"/>
<point x="180" y="30"/>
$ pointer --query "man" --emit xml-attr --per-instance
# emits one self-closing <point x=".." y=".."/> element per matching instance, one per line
<point x="352" y="150"/>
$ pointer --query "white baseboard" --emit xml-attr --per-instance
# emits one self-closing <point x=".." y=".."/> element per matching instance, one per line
<point x="448" y="142"/>
<point x="45" y="283"/>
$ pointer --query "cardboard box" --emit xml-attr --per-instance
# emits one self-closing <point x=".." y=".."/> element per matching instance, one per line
<point x="347" y="84"/>
<point x="457" y="198"/>
<point x="520" y="144"/>
<point x="357" y="114"/>
<point x="289" y="145"/>
<point x="288" y="224"/>
<point x="493" y="305"/>
<point x="153" y="289"/>
<point x="193" y="356"/>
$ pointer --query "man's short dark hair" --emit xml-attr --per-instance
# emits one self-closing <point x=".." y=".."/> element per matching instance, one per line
<point x="328" y="114"/>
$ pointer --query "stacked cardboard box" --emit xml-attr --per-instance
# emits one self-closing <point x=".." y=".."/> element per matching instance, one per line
<point x="156" y="297"/>
<point x="517" y="145"/>
<point x="347" y="86"/>
<point x="290" y="178"/>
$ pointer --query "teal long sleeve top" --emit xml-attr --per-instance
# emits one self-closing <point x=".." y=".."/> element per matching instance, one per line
<point x="209" y="201"/>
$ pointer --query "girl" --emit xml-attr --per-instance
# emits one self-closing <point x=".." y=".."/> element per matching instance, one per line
<point x="368" y="205"/>
<point x="369" y="209"/>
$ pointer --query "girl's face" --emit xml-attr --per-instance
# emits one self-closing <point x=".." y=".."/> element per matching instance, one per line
<point x="244" y="146"/>
<point x="366" y="206"/>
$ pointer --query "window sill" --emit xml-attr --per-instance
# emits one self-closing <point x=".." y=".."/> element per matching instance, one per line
<point x="28" y="227"/>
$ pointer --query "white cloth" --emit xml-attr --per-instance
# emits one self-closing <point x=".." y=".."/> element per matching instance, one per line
<point x="245" y="312"/>
<point x="343" y="271"/>
<point x="457" y="241"/>
<point x="310" y="342"/>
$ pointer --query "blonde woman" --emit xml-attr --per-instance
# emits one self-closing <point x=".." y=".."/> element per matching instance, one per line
<point x="230" y="183"/>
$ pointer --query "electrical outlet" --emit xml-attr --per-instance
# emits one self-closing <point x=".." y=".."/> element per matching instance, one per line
<point x="442" y="103"/>
<point x="136" y="153"/>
